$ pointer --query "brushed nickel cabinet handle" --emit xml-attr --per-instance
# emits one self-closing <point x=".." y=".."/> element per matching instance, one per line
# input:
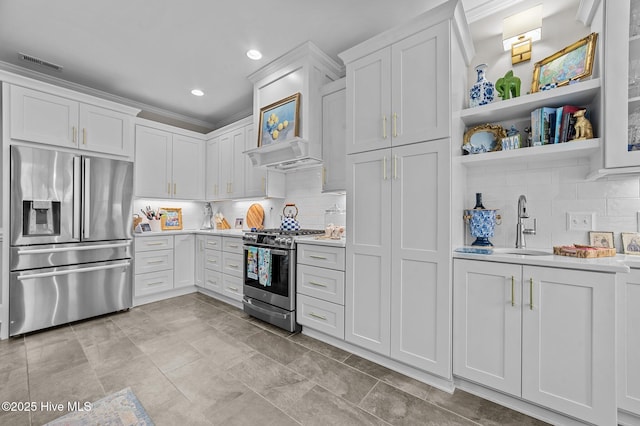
<point x="384" y="168"/>
<point x="395" y="167"/>
<point x="313" y="314"/>
<point x="84" y="136"/>
<point x="531" y="294"/>
<point x="513" y="300"/>
<point x="384" y="127"/>
<point x="395" y="125"/>
<point x="317" y="284"/>
<point x="75" y="135"/>
<point x="314" y="256"/>
<point x="235" y="289"/>
<point x="155" y="283"/>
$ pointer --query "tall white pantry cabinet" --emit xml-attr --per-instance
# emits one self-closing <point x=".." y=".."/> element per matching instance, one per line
<point x="399" y="202"/>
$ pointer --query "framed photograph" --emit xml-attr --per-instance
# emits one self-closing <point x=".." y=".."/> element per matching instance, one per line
<point x="631" y="243"/>
<point x="280" y="121"/>
<point x="601" y="239"/>
<point x="484" y="138"/>
<point x="171" y="219"/>
<point x="571" y="63"/>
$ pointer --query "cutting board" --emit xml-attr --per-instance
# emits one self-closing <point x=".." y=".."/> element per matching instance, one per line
<point x="255" y="216"/>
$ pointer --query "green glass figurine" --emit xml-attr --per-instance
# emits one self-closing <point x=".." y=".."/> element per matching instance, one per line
<point x="508" y="86"/>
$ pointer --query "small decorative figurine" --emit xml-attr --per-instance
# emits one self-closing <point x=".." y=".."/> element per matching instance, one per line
<point x="508" y="86"/>
<point x="583" y="127"/>
<point x="482" y="91"/>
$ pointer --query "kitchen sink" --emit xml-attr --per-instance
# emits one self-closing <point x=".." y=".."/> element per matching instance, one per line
<point x="524" y="252"/>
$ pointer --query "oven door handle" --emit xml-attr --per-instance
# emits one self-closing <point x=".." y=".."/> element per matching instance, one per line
<point x="247" y="301"/>
<point x="273" y="251"/>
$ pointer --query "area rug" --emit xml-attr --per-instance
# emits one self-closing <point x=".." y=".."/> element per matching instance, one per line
<point x="121" y="408"/>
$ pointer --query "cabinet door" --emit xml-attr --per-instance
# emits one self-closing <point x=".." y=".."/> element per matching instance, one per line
<point x="486" y="323"/>
<point x="255" y="178"/>
<point x="421" y="256"/>
<point x="212" y="170"/>
<point x="568" y="342"/>
<point x="41" y="117"/>
<point x="420" y="86"/>
<point x="188" y="168"/>
<point x="104" y="130"/>
<point x="238" y="161"/>
<point x="184" y="260"/>
<point x="368" y="266"/>
<point x="334" y="134"/>
<point x="368" y="102"/>
<point x="153" y="162"/>
<point x="629" y="343"/>
<point x="199" y="261"/>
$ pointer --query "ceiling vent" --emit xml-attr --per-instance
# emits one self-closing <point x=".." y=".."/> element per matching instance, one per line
<point x="39" y="61"/>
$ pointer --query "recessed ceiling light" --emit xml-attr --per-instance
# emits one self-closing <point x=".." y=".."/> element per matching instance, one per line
<point x="197" y="92"/>
<point x="254" y="54"/>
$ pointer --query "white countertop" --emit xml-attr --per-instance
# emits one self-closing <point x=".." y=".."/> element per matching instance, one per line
<point x="619" y="263"/>
<point x="311" y="239"/>
<point x="225" y="232"/>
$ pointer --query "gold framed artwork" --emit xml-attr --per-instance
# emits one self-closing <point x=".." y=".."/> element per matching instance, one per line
<point x="280" y="121"/>
<point x="601" y="239"/>
<point x="570" y="64"/>
<point x="631" y="243"/>
<point x="483" y="138"/>
<point x="171" y="219"/>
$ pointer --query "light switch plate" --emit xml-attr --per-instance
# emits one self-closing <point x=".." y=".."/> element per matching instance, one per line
<point x="581" y="221"/>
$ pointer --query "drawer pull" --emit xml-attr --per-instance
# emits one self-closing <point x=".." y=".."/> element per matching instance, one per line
<point x="155" y="283"/>
<point x="317" y="284"/>
<point x="212" y="282"/>
<point x="235" y="289"/>
<point x="212" y="243"/>
<point x="233" y="265"/>
<point x="313" y="314"/>
<point x="212" y="260"/>
<point x="155" y="261"/>
<point x="156" y="243"/>
<point x="233" y="245"/>
<point x="314" y="256"/>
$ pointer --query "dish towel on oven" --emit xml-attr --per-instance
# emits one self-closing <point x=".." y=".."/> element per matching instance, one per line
<point x="252" y="263"/>
<point x="264" y="266"/>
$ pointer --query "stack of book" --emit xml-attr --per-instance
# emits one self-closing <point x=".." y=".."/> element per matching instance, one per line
<point x="553" y="125"/>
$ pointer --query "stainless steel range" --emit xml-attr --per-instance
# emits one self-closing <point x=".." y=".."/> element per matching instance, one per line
<point x="270" y="275"/>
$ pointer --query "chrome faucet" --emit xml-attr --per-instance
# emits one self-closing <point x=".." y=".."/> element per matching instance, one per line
<point x="521" y="231"/>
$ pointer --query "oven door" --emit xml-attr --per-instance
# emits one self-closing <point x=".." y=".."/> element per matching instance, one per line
<point x="281" y="292"/>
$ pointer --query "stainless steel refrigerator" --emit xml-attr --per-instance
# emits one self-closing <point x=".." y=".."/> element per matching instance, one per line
<point x="70" y="254"/>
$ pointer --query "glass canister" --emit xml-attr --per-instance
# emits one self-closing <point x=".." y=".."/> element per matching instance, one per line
<point x="335" y="216"/>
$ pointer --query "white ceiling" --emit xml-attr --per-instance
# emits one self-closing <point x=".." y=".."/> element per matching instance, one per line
<point x="153" y="52"/>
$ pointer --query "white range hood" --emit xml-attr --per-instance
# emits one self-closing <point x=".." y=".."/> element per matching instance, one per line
<point x="303" y="70"/>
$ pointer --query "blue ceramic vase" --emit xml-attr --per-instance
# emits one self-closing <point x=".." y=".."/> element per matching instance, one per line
<point x="483" y="91"/>
<point x="482" y="223"/>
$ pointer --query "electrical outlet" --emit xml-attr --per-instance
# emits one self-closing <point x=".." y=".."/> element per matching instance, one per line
<point x="580" y="221"/>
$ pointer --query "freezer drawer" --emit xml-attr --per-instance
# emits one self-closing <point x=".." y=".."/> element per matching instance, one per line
<point x="53" y="255"/>
<point x="46" y="297"/>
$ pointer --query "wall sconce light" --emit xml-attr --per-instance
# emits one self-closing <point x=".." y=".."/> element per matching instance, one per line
<point x="519" y="31"/>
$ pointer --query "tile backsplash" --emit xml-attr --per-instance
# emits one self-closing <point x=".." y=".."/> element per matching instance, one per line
<point x="303" y="189"/>
<point x="553" y="189"/>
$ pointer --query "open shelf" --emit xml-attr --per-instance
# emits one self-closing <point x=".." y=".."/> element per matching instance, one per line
<point x="581" y="93"/>
<point x="572" y="149"/>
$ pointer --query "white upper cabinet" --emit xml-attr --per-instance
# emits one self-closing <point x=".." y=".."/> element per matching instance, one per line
<point x="258" y="181"/>
<point x="168" y="165"/>
<point x="212" y="172"/>
<point x="399" y="95"/>
<point x="231" y="165"/>
<point x="55" y="120"/>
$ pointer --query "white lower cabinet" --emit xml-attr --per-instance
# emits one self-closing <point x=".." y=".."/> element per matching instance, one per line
<point x="546" y="335"/>
<point x="222" y="261"/>
<point x="164" y="263"/>
<point x="320" y="288"/>
<point x="629" y="348"/>
<point x="199" y="261"/>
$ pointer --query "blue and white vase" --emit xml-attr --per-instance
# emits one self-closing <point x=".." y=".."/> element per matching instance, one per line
<point x="482" y="223"/>
<point x="482" y="92"/>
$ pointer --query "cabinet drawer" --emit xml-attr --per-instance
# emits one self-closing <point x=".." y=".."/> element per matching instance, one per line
<point x="232" y="287"/>
<point x="213" y="280"/>
<point x="152" y="261"/>
<point x="153" y="282"/>
<point x="232" y="264"/>
<point x="322" y="256"/>
<point x="321" y="283"/>
<point x="232" y="244"/>
<point x="213" y="242"/>
<point x="320" y="315"/>
<point x="160" y="242"/>
<point x="213" y="260"/>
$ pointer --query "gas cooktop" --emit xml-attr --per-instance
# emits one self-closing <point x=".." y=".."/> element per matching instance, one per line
<point x="277" y="231"/>
<point x="277" y="237"/>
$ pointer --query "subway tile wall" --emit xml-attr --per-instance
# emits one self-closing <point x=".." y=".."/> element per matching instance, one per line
<point x="553" y="189"/>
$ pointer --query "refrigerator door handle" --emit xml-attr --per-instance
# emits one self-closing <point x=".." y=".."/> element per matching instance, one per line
<point x="72" y="271"/>
<point x="86" y="198"/>
<point x="65" y="249"/>
<point x="77" y="207"/>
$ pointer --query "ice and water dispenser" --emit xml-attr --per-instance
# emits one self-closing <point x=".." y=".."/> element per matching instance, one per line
<point x="40" y="217"/>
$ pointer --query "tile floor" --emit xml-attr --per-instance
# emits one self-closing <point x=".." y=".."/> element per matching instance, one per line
<point x="193" y="360"/>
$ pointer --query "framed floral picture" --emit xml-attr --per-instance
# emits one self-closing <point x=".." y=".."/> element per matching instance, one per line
<point x="171" y="219"/>
<point x="280" y="121"/>
<point x="570" y="64"/>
